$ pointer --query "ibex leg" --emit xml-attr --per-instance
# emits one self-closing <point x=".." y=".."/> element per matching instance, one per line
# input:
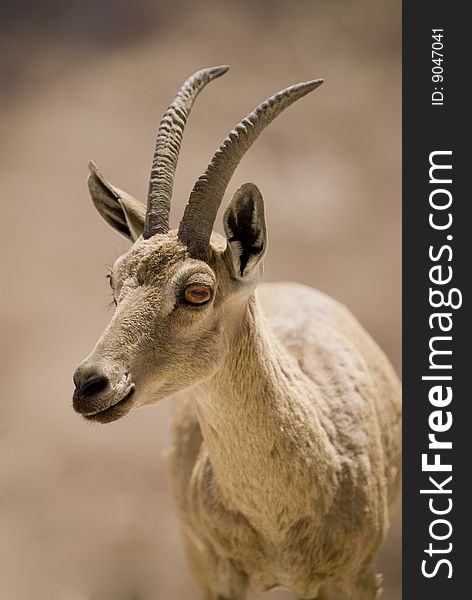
<point x="368" y="586"/>
<point x="213" y="576"/>
<point x="329" y="591"/>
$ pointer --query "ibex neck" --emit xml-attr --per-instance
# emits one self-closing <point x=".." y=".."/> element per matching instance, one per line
<point x="259" y="420"/>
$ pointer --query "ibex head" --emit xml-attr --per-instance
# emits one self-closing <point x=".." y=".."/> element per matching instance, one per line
<point x="178" y="294"/>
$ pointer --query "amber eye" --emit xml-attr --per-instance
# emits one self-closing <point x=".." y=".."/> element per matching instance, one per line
<point x="197" y="294"/>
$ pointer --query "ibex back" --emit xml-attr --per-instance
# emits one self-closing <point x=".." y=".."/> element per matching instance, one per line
<point x="286" y="433"/>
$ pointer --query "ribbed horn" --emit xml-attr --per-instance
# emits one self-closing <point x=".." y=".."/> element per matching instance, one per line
<point x="200" y="213"/>
<point x="169" y="139"/>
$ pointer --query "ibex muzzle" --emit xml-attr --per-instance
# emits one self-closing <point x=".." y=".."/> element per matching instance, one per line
<point x="99" y="396"/>
<point x="160" y="341"/>
<point x="285" y="457"/>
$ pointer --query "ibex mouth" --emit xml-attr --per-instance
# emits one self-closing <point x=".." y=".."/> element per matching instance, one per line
<point x="114" y="412"/>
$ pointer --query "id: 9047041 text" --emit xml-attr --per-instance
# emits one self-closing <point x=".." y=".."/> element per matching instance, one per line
<point x="437" y="68"/>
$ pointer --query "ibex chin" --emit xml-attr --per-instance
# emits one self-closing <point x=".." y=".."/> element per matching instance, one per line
<point x="285" y="457"/>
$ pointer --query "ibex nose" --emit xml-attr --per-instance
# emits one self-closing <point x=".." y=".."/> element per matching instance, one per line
<point x="89" y="379"/>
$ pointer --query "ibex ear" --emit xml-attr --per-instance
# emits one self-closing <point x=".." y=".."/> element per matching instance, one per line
<point x="123" y="212"/>
<point x="245" y="227"/>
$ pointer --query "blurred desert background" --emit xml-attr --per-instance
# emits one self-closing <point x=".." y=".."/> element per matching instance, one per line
<point x="84" y="507"/>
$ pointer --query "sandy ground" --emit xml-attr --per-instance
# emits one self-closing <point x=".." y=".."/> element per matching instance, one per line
<point x="87" y="507"/>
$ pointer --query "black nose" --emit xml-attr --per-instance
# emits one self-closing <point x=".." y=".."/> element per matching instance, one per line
<point x="89" y="379"/>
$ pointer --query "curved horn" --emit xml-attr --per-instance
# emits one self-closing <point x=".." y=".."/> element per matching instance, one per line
<point x="200" y="213"/>
<point x="169" y="139"/>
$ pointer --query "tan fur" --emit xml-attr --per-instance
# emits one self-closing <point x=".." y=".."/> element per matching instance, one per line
<point x="285" y="458"/>
<point x="284" y="463"/>
<point x="286" y="426"/>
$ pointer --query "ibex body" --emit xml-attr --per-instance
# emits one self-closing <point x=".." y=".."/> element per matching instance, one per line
<point x="286" y="434"/>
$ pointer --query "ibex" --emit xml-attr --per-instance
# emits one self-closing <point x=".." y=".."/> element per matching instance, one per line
<point x="285" y="456"/>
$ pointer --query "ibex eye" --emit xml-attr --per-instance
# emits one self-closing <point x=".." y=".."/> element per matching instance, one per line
<point x="197" y="294"/>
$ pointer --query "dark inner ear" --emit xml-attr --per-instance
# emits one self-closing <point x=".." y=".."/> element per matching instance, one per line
<point x="106" y="201"/>
<point x="243" y="230"/>
<point x="123" y="212"/>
